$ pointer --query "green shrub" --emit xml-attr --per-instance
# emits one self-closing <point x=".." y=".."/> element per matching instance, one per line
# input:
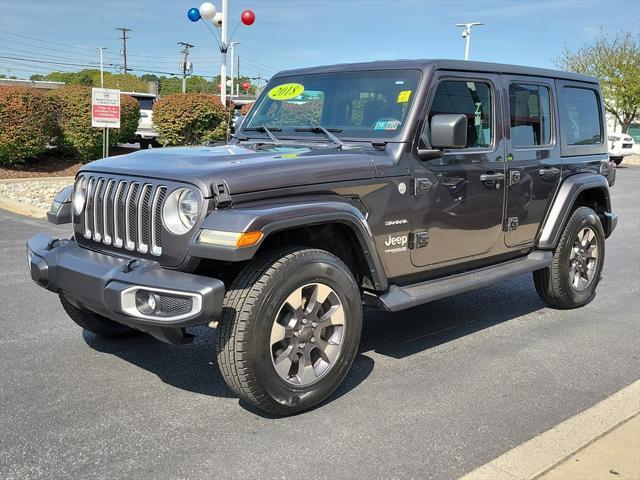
<point x="73" y="107"/>
<point x="26" y="124"/>
<point x="190" y="119"/>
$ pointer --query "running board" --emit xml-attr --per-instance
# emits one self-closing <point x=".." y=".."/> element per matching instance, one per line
<point x="399" y="298"/>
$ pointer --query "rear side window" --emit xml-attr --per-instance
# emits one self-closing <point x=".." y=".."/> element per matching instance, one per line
<point x="530" y="115"/>
<point x="580" y="117"/>
<point x="472" y="99"/>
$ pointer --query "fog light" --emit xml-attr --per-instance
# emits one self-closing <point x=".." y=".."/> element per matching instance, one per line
<point x="146" y="302"/>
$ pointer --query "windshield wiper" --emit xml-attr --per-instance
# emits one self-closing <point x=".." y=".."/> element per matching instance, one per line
<point x="268" y="131"/>
<point x="327" y="132"/>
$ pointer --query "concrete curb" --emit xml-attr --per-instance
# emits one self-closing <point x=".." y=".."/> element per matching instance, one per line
<point x="23" y="209"/>
<point x="36" y="179"/>
<point x="541" y="454"/>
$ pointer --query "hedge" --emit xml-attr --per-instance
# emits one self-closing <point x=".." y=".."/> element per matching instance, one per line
<point x="190" y="119"/>
<point x="26" y="124"/>
<point x="73" y="115"/>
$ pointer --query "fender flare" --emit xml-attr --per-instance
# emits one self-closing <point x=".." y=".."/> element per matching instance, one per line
<point x="563" y="202"/>
<point x="274" y="217"/>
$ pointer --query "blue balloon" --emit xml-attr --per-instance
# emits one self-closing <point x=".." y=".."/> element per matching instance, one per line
<point x="193" y="14"/>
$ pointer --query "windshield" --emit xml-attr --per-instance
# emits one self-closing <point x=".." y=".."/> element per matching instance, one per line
<point x="145" y="103"/>
<point x="367" y="104"/>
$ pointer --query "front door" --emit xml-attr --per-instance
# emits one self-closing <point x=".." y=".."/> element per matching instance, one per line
<point x="458" y="198"/>
<point x="532" y="153"/>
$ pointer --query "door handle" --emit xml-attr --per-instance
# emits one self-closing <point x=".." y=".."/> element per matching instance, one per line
<point x="549" y="172"/>
<point x="491" y="177"/>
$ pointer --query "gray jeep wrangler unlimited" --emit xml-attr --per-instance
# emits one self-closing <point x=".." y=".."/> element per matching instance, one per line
<point x="389" y="184"/>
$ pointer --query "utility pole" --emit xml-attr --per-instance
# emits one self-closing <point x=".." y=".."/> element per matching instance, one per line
<point x="223" y="49"/>
<point x="187" y="68"/>
<point x="124" y="39"/>
<point x="233" y="61"/>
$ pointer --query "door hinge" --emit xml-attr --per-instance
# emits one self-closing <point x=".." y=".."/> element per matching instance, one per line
<point x="221" y="196"/>
<point x="511" y="224"/>
<point x="421" y="185"/>
<point x="419" y="240"/>
<point x="514" y="177"/>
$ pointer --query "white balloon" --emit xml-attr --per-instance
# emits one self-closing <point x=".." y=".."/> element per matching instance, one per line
<point x="207" y="10"/>
<point x="217" y="19"/>
<point x="228" y="83"/>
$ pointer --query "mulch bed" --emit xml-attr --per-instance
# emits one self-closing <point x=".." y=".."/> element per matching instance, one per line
<point x="51" y="165"/>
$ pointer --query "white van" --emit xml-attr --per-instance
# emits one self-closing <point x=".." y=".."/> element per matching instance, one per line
<point x="145" y="134"/>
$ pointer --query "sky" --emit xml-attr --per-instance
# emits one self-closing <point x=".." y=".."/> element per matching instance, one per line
<point x="298" y="33"/>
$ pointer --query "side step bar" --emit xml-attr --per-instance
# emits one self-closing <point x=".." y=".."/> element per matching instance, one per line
<point x="399" y="298"/>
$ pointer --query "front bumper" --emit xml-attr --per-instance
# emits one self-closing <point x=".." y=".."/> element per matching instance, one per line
<point x="107" y="284"/>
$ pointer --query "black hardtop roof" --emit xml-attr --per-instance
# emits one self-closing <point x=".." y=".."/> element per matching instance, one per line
<point x="459" y="65"/>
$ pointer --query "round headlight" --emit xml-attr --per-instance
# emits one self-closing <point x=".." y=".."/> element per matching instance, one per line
<point x="79" y="195"/>
<point x="188" y="208"/>
<point x="180" y="211"/>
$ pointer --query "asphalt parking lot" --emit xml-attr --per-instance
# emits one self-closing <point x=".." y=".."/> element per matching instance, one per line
<point x="435" y="391"/>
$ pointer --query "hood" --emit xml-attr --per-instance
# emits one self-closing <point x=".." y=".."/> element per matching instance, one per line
<point x="244" y="169"/>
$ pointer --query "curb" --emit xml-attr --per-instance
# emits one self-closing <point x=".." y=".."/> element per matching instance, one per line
<point x="22" y="209"/>
<point x="543" y="453"/>
<point x="35" y="179"/>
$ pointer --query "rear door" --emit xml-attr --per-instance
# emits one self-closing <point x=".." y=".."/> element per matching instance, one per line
<point x="532" y="154"/>
<point x="458" y="200"/>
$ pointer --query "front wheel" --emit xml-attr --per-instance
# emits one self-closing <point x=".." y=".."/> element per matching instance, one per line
<point x="289" y="330"/>
<point x="617" y="160"/>
<point x="572" y="278"/>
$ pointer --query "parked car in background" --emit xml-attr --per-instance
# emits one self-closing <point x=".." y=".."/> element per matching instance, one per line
<point x="620" y="146"/>
<point x="146" y="135"/>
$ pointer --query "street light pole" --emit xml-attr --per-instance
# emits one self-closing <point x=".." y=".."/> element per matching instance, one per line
<point x="105" y="131"/>
<point x="223" y="49"/>
<point x="466" y="34"/>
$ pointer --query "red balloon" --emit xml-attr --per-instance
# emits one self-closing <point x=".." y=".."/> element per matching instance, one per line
<point x="219" y="88"/>
<point x="246" y="85"/>
<point x="248" y="17"/>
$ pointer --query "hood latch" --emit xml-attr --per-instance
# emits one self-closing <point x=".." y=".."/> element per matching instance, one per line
<point x="221" y="196"/>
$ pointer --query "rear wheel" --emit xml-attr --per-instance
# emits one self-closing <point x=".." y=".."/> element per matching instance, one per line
<point x="573" y="277"/>
<point x="144" y="144"/>
<point x="289" y="330"/>
<point x="94" y="323"/>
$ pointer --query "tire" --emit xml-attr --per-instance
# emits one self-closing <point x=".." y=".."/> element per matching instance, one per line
<point x="561" y="285"/>
<point x="617" y="160"/>
<point x="94" y="323"/>
<point x="144" y="144"/>
<point x="261" y="295"/>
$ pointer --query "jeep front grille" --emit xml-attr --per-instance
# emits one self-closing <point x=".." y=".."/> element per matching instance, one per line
<point x="125" y="214"/>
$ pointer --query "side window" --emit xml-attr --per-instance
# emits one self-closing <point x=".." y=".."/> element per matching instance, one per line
<point x="472" y="99"/>
<point x="580" y="117"/>
<point x="530" y="115"/>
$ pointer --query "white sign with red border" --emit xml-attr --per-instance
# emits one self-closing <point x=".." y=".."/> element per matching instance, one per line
<point x="105" y="108"/>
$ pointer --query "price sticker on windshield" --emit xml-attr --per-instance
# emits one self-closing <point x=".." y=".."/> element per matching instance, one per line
<point x="404" y="96"/>
<point x="286" y="91"/>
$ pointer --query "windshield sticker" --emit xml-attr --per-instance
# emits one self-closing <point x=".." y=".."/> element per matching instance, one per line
<point x="286" y="91"/>
<point x="404" y="96"/>
<point x="387" y="125"/>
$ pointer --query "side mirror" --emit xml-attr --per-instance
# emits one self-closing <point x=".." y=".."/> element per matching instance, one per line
<point x="61" y="209"/>
<point x="449" y="131"/>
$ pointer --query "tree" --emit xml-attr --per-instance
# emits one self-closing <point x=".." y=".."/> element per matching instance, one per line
<point x="615" y="61"/>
